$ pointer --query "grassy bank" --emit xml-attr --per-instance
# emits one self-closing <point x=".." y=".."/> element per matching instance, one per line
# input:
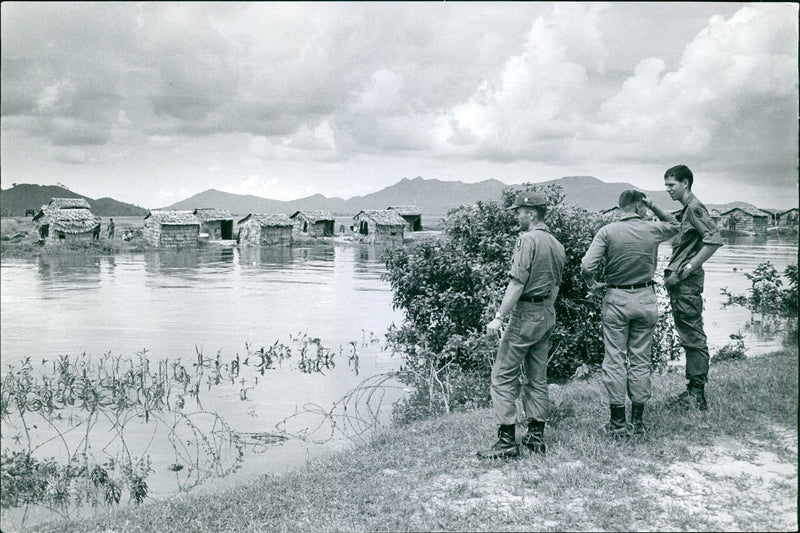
<point x="731" y="468"/>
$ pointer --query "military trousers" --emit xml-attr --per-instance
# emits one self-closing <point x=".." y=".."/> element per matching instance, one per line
<point x="525" y="343"/>
<point x="687" y="310"/>
<point x="629" y="320"/>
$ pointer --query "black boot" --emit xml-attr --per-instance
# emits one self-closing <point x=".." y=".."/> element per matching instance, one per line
<point x="693" y="397"/>
<point x="617" y="427"/>
<point x="534" y="440"/>
<point x="637" y="415"/>
<point x="505" y="447"/>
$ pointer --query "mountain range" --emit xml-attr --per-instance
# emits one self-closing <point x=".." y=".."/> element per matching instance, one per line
<point x="24" y="196"/>
<point x="430" y="196"/>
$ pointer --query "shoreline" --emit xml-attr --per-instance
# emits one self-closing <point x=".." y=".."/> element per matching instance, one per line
<point x="424" y="476"/>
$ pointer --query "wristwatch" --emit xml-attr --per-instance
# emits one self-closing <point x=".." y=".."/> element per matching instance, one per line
<point x="687" y="268"/>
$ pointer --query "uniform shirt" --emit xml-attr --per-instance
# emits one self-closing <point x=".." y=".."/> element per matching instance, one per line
<point x="696" y="230"/>
<point x="538" y="261"/>
<point x="630" y="248"/>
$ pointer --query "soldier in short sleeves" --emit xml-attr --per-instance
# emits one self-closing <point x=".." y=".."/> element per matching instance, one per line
<point x="536" y="271"/>
<point x="697" y="240"/>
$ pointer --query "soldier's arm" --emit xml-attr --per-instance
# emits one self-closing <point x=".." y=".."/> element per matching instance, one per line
<point x="511" y="297"/>
<point x="672" y="226"/>
<point x="591" y="260"/>
<point x="712" y="241"/>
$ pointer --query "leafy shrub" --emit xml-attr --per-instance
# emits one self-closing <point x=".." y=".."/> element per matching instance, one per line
<point x="733" y="351"/>
<point x="767" y="294"/>
<point x="450" y="289"/>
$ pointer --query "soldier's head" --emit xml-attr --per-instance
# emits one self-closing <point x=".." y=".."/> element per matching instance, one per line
<point x="630" y="201"/>
<point x="530" y="208"/>
<point x="678" y="181"/>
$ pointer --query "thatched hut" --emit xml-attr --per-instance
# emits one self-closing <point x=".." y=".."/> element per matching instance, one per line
<point x="612" y="211"/>
<point x="217" y="223"/>
<point x="265" y="230"/>
<point x="171" y="228"/>
<point x="66" y="225"/>
<point x="744" y="220"/>
<point x="379" y="227"/>
<point x="788" y="218"/>
<point x="410" y="214"/>
<point x="315" y="223"/>
<point x="68" y="203"/>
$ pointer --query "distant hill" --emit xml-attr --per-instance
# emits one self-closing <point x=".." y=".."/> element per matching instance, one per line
<point x="21" y="197"/>
<point x="431" y="196"/>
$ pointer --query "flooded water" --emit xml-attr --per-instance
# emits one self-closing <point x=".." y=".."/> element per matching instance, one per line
<point x="217" y="299"/>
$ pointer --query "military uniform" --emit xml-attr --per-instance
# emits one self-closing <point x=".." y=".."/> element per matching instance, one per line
<point x="696" y="230"/>
<point x="538" y="263"/>
<point x="630" y="311"/>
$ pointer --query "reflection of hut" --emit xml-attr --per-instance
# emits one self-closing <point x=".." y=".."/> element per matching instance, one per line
<point x="410" y="214"/>
<point x="379" y="226"/>
<point x="73" y="222"/>
<point x="317" y="223"/>
<point x="263" y="229"/>
<point x="744" y="220"/>
<point x="218" y="223"/>
<point x="171" y="228"/>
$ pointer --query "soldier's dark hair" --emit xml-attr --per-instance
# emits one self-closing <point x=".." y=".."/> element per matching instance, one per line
<point x="630" y="197"/>
<point x="541" y="211"/>
<point x="680" y="173"/>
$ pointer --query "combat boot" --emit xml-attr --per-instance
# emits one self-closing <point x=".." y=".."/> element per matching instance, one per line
<point x="637" y="422"/>
<point x="505" y="447"/>
<point x="617" y="427"/>
<point x="693" y="397"/>
<point x="534" y="440"/>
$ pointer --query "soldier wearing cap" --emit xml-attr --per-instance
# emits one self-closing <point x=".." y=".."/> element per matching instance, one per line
<point x="629" y="248"/>
<point x="536" y="270"/>
<point x="697" y="240"/>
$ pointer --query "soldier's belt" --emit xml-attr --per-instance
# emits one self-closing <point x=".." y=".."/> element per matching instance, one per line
<point x="634" y="286"/>
<point x="532" y="298"/>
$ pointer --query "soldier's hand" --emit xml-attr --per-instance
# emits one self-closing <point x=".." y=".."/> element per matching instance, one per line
<point x="598" y="286"/>
<point x="647" y="202"/>
<point x="494" y="326"/>
<point x="672" y="281"/>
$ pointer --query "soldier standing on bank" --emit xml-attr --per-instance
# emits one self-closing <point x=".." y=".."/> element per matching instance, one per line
<point x="697" y="240"/>
<point x="536" y="270"/>
<point x="629" y="248"/>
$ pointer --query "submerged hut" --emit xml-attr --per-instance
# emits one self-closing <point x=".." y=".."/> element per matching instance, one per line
<point x="69" y="224"/>
<point x="611" y="211"/>
<point x="788" y="218"/>
<point x="410" y="214"/>
<point x="744" y="220"/>
<point x="265" y="230"/>
<point x="316" y="223"/>
<point x="218" y="223"/>
<point x="171" y="228"/>
<point x="379" y="227"/>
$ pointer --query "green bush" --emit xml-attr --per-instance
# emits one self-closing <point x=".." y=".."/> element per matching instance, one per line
<point x="450" y="289"/>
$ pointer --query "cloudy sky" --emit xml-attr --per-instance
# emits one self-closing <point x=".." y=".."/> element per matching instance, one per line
<point x="150" y="103"/>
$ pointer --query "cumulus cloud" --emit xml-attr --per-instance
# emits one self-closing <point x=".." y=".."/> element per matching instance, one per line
<point x="538" y="97"/>
<point x="732" y="67"/>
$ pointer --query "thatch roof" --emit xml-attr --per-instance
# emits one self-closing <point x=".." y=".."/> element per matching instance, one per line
<point x="212" y="214"/>
<point x="382" y="217"/>
<point x="174" y="218"/>
<point x="314" y="216"/>
<point x="70" y="220"/>
<point x="609" y="210"/>
<point x="405" y="210"/>
<point x="68" y="203"/>
<point x="787" y="211"/>
<point x="753" y="212"/>
<point x="263" y="219"/>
